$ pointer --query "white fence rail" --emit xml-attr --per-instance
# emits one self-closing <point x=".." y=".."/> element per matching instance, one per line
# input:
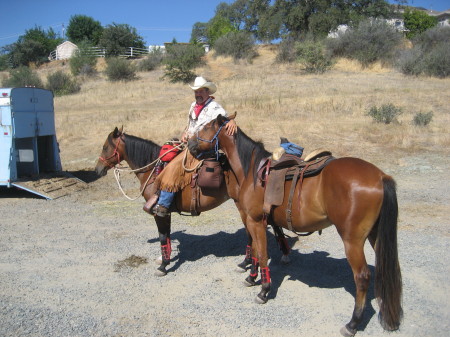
<point x="129" y="52"/>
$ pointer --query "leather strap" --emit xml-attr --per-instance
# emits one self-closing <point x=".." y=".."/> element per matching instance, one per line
<point x="291" y="194"/>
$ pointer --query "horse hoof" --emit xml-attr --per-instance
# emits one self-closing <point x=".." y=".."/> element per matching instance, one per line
<point x="285" y="259"/>
<point x="248" y="283"/>
<point x="241" y="270"/>
<point x="260" y="300"/>
<point x="160" y="273"/>
<point x="347" y="332"/>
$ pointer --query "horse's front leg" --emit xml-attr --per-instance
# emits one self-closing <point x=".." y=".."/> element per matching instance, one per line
<point x="257" y="230"/>
<point x="163" y="224"/>
<point x="242" y="267"/>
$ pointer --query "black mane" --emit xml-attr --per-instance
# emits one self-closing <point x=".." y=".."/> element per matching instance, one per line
<point x="246" y="147"/>
<point x="141" y="151"/>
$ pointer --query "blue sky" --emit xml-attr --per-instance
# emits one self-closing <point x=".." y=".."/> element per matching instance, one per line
<point x="157" y="21"/>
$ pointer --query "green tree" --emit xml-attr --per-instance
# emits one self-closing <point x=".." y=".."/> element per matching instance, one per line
<point x="34" y="46"/>
<point x="180" y="60"/>
<point x="84" y="28"/>
<point x="198" y="33"/>
<point x="217" y="27"/>
<point x="417" y="22"/>
<point x="116" y="38"/>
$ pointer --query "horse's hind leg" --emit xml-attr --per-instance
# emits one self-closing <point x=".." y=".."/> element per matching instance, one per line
<point x="361" y="274"/>
<point x="163" y="224"/>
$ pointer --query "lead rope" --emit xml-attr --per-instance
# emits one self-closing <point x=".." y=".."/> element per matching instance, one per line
<point x="117" y="171"/>
<point x="195" y="168"/>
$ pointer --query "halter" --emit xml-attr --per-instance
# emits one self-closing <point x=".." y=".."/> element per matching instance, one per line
<point x="115" y="154"/>
<point x="215" y="138"/>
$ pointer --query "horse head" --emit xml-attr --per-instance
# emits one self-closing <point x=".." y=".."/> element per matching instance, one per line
<point x="112" y="152"/>
<point x="207" y="138"/>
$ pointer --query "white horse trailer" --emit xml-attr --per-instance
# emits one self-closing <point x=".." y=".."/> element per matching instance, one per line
<point x="29" y="151"/>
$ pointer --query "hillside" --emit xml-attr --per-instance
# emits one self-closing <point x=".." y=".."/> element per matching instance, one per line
<point x="271" y="100"/>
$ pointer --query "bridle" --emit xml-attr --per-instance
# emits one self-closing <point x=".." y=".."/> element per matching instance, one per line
<point x="115" y="154"/>
<point x="212" y="140"/>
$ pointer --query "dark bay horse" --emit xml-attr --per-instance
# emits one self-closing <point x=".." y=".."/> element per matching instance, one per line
<point x="139" y="153"/>
<point x="349" y="193"/>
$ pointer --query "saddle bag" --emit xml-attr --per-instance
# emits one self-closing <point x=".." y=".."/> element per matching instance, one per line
<point x="210" y="174"/>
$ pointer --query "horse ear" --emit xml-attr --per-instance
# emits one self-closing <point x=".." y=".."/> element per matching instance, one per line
<point x="233" y="116"/>
<point x="117" y="132"/>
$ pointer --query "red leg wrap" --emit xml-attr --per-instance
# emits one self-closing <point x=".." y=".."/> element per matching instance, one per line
<point x="248" y="252"/>
<point x="254" y="268"/>
<point x="166" y="250"/>
<point x="265" y="275"/>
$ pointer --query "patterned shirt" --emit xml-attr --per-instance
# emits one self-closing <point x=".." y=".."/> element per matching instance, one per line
<point x="208" y="113"/>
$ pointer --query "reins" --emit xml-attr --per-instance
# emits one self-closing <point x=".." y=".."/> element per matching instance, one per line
<point x="117" y="170"/>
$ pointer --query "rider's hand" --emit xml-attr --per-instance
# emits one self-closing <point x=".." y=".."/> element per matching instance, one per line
<point x="184" y="137"/>
<point x="231" y="127"/>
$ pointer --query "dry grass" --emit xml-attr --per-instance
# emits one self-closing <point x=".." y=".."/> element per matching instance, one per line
<point x="271" y="100"/>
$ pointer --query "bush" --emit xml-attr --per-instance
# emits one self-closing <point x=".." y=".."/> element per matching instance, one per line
<point x="118" y="69"/>
<point x="429" y="56"/>
<point x="371" y="41"/>
<point x="239" y="45"/>
<point x="423" y="118"/>
<point x="152" y="61"/>
<point x="22" y="77"/>
<point x="62" y="84"/>
<point x="386" y="114"/>
<point x="313" y="56"/>
<point x="82" y="63"/>
<point x="4" y="62"/>
<point x="180" y="60"/>
<point x="287" y="52"/>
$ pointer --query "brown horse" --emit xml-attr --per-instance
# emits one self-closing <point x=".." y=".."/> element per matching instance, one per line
<point x="354" y="195"/>
<point x="142" y="153"/>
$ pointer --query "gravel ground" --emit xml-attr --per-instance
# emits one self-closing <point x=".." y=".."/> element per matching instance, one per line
<point x="83" y="265"/>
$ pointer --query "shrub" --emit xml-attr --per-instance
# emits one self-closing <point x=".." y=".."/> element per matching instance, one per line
<point x="239" y="45"/>
<point x="180" y="60"/>
<point x="118" y="69"/>
<point x="287" y="52"/>
<point x="22" y="77"/>
<point x="423" y="118"/>
<point x="152" y="61"/>
<point x="82" y="63"/>
<point x="313" y="57"/>
<point x="4" y="62"/>
<point x="429" y="56"/>
<point x="386" y="114"/>
<point x="62" y="84"/>
<point x="371" y="41"/>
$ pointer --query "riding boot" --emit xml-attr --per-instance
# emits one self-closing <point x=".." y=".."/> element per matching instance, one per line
<point x="151" y="202"/>
<point x="165" y="200"/>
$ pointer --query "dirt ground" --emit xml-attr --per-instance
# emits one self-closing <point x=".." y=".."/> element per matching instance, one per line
<point x="83" y="265"/>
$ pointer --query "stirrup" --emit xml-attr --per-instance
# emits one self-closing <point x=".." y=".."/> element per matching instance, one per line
<point x="161" y="211"/>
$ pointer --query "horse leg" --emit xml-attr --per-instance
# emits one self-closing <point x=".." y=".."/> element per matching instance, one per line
<point x="361" y="274"/>
<point x="163" y="224"/>
<point x="242" y="267"/>
<point x="258" y="230"/>
<point x="282" y="243"/>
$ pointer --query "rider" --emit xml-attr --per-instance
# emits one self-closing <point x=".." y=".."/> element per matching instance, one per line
<point x="173" y="178"/>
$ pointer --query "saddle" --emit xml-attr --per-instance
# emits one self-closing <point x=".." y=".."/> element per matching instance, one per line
<point x="274" y="173"/>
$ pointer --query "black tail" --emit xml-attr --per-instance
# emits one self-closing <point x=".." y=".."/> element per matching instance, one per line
<point x="388" y="278"/>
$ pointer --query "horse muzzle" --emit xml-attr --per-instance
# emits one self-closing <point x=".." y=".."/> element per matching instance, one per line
<point x="193" y="147"/>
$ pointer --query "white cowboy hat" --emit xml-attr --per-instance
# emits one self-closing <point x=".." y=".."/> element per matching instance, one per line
<point x="200" y="82"/>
